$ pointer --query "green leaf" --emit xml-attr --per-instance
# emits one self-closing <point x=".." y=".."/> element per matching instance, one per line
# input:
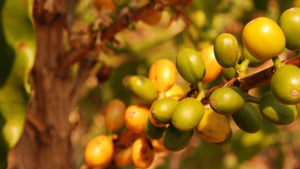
<point x="13" y="101"/>
<point x="7" y="53"/>
<point x="17" y="47"/>
<point x="19" y="35"/>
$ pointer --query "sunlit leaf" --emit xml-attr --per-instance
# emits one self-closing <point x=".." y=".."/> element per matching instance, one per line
<point x="20" y="36"/>
<point x="17" y="46"/>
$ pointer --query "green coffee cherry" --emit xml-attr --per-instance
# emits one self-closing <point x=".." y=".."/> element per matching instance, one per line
<point x="152" y="131"/>
<point x="187" y="114"/>
<point x="226" y="50"/>
<point x="248" y="118"/>
<point x="275" y="111"/>
<point x="285" y="84"/>
<point x="227" y="100"/>
<point x="290" y="24"/>
<point x="190" y="65"/>
<point x="162" y="109"/>
<point x="142" y="89"/>
<point x="175" y="140"/>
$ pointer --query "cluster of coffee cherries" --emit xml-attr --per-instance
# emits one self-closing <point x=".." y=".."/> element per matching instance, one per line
<point x="166" y="118"/>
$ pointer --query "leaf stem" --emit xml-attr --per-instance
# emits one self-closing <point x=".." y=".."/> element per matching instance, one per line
<point x="277" y="62"/>
<point x="242" y="68"/>
<point x="201" y="93"/>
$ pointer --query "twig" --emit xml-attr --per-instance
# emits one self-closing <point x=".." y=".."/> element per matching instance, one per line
<point x="251" y="81"/>
<point x="73" y="56"/>
<point x="78" y="82"/>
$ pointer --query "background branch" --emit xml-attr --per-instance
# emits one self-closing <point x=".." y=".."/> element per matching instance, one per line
<point x="107" y="34"/>
<point x="87" y="54"/>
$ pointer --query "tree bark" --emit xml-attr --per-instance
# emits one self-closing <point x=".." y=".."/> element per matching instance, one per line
<point x="45" y="143"/>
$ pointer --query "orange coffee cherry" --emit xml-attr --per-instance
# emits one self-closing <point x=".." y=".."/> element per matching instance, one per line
<point x="158" y="145"/>
<point x="136" y="117"/>
<point x="213" y="68"/>
<point x="114" y="114"/>
<point x="123" y="157"/>
<point x="142" y="153"/>
<point x="99" y="151"/>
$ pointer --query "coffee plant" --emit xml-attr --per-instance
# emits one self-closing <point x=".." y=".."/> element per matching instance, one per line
<point x="173" y="120"/>
<point x="228" y="78"/>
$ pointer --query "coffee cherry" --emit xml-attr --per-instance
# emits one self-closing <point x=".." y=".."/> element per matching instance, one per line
<point x="289" y="22"/>
<point x="155" y="122"/>
<point x="187" y="114"/>
<point x="212" y="67"/>
<point x="248" y="118"/>
<point x="123" y="157"/>
<point x="136" y="117"/>
<point x="285" y="84"/>
<point x="142" y="89"/>
<point x="214" y="127"/>
<point x="163" y="74"/>
<point x="227" y="100"/>
<point x="263" y="38"/>
<point x="190" y="65"/>
<point x="226" y="50"/>
<point x="175" y="140"/>
<point x="162" y="110"/>
<point x="176" y="92"/>
<point x="142" y="153"/>
<point x="275" y="111"/>
<point x="153" y="131"/>
<point x="99" y="151"/>
<point x="114" y="114"/>
<point x="158" y="145"/>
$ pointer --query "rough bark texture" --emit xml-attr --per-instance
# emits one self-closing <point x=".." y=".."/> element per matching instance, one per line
<point x="45" y="142"/>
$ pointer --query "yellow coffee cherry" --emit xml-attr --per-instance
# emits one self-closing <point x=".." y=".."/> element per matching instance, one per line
<point x="163" y="74"/>
<point x="214" y="127"/>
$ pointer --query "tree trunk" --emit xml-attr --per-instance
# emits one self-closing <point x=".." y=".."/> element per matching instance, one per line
<point x="45" y="143"/>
